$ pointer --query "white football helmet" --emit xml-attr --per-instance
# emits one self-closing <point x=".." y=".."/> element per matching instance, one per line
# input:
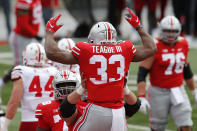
<point x="64" y="83"/>
<point x="170" y="29"/>
<point x="66" y="44"/>
<point x="102" y="33"/>
<point x="34" y="55"/>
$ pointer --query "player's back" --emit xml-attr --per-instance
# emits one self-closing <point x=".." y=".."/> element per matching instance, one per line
<point x="37" y="84"/>
<point x="105" y="67"/>
<point x="168" y="64"/>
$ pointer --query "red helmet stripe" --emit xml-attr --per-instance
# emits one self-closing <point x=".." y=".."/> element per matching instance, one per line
<point x="171" y="22"/>
<point x="108" y="31"/>
<point x="65" y="75"/>
<point x="39" y="53"/>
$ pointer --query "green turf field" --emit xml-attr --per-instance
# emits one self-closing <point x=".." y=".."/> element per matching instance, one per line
<point x="139" y="119"/>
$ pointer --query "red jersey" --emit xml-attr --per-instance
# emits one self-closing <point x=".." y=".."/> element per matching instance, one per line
<point x="49" y="3"/>
<point x="49" y="119"/>
<point x="167" y="69"/>
<point x="48" y="116"/>
<point x="28" y="25"/>
<point x="105" y="67"/>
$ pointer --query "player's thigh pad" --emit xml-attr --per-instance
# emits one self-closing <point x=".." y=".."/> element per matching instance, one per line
<point x="159" y="100"/>
<point x="181" y="113"/>
<point x="118" y="120"/>
<point x="94" y="118"/>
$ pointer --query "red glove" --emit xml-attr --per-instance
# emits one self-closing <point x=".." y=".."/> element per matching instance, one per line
<point x="133" y="20"/>
<point x="52" y="24"/>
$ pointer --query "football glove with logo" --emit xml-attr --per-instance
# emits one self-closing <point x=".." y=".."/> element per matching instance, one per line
<point x="133" y="19"/>
<point x="52" y="24"/>
<point x="144" y="105"/>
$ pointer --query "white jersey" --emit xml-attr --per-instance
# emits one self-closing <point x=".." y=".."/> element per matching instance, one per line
<point x="37" y="84"/>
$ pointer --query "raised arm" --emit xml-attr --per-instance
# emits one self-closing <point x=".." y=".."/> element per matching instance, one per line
<point x="52" y="51"/>
<point x="148" y="47"/>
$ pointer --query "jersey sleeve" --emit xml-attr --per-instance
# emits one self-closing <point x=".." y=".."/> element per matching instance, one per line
<point x="39" y="113"/>
<point x="23" y="4"/>
<point x="16" y="73"/>
<point x="76" y="50"/>
<point x="131" y="47"/>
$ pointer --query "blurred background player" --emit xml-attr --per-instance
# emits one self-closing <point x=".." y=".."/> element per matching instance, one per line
<point x="48" y="7"/>
<point x="32" y="84"/>
<point x="28" y="17"/>
<point x="167" y="68"/>
<point x="111" y="72"/>
<point x="47" y="112"/>
<point x="151" y="5"/>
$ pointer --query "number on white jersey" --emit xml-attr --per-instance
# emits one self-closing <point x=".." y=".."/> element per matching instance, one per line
<point x="103" y="70"/>
<point x="35" y="86"/>
<point x="174" y="59"/>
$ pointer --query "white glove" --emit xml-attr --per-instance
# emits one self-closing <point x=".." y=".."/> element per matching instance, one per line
<point x="194" y="94"/>
<point x="4" y="123"/>
<point x="144" y="105"/>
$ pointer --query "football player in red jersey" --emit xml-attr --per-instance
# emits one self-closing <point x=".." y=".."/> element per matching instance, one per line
<point x="47" y="112"/>
<point x="167" y="70"/>
<point x="28" y="18"/>
<point x="32" y="84"/>
<point x="104" y="64"/>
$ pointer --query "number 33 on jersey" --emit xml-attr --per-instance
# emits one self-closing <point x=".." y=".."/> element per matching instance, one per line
<point x="105" y="67"/>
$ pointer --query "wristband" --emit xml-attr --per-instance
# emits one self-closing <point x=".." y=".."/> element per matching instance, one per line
<point x="140" y="26"/>
<point x="80" y="90"/>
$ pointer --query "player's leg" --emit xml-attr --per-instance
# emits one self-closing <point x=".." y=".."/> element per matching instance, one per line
<point x="159" y="100"/>
<point x="95" y="118"/>
<point x="138" y="6"/>
<point x="152" y="20"/>
<point x="118" y="120"/>
<point x="181" y="113"/>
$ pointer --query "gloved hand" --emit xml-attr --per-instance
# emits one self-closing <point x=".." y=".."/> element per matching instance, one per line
<point x="4" y="123"/>
<point x="144" y="105"/>
<point x="133" y="20"/>
<point x="52" y="24"/>
<point x="194" y="94"/>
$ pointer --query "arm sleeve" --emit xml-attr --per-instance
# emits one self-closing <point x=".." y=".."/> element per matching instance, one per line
<point x="76" y="50"/>
<point x="16" y="73"/>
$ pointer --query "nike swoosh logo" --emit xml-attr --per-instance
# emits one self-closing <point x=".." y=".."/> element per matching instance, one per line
<point x="51" y="25"/>
<point x="137" y="20"/>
